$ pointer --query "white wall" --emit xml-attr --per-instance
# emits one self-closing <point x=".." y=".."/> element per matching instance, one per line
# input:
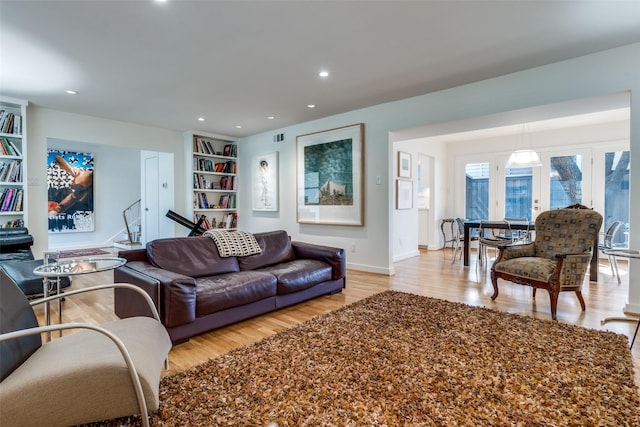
<point x="112" y="191"/>
<point x="44" y="124"/>
<point x="607" y="72"/>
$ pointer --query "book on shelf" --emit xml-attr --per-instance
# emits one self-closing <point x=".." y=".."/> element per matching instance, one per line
<point x="231" y="220"/>
<point x="8" y="148"/>
<point x="10" y="123"/>
<point x="206" y="224"/>
<point x="11" y="200"/>
<point x="11" y="171"/>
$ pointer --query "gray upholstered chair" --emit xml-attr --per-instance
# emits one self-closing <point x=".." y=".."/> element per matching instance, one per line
<point x="557" y="260"/>
<point x="98" y="372"/>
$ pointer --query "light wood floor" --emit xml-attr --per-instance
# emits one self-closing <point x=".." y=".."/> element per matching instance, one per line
<point x="432" y="274"/>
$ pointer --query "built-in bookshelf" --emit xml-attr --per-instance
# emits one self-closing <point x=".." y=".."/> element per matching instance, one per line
<point x="213" y="181"/>
<point x="13" y="162"/>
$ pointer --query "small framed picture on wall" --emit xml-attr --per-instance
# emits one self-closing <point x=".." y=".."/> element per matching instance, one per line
<point x="404" y="165"/>
<point x="404" y="194"/>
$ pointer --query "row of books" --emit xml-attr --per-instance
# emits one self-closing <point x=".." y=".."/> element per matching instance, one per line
<point x="11" y="200"/>
<point x="228" y="221"/>
<point x="206" y="165"/>
<point x="227" y="201"/>
<point x="11" y="171"/>
<point x="8" y="148"/>
<point x="201" y="182"/>
<point x="204" y="146"/>
<point x="10" y="123"/>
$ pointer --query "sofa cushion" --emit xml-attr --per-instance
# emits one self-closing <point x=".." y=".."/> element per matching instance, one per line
<point x="191" y="256"/>
<point x="276" y="248"/>
<point x="234" y="243"/>
<point x="300" y="274"/>
<point x="216" y="293"/>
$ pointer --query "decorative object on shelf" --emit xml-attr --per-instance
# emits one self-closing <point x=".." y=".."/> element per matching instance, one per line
<point x="70" y="183"/>
<point x="330" y="177"/>
<point x="404" y="194"/>
<point x="264" y="179"/>
<point x="404" y="165"/>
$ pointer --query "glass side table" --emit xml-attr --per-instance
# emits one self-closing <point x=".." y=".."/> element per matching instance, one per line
<point x="51" y="272"/>
<point x="624" y="253"/>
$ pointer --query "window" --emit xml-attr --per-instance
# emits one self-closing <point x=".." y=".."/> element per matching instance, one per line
<point x="565" y="181"/>
<point x="477" y="190"/>
<point x="518" y="198"/>
<point x="616" y="192"/>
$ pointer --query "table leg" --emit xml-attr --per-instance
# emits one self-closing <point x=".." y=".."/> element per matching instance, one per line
<point x="465" y="250"/>
<point x="47" y="305"/>
<point x="59" y="302"/>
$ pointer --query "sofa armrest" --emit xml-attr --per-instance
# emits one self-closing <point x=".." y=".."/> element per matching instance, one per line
<point x="335" y="257"/>
<point x="134" y="254"/>
<point x="174" y="293"/>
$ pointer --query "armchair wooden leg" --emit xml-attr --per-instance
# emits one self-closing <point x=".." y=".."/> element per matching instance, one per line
<point x="494" y="282"/>
<point x="579" y="295"/>
<point x="553" y="298"/>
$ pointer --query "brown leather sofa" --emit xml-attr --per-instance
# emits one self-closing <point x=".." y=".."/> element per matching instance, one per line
<point x="196" y="290"/>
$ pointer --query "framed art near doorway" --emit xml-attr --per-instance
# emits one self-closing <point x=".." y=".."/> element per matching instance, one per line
<point x="404" y="165"/>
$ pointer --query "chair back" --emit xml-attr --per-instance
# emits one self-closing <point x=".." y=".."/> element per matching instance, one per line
<point x="607" y="241"/>
<point x="566" y="231"/>
<point x="460" y="228"/>
<point x="15" y="314"/>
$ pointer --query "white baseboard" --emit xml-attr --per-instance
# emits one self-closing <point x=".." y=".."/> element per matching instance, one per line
<point x="369" y="269"/>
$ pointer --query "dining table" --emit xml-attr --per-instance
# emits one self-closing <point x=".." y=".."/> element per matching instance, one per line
<point x="521" y="226"/>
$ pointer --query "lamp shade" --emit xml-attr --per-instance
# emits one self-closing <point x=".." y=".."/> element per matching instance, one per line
<point x="523" y="158"/>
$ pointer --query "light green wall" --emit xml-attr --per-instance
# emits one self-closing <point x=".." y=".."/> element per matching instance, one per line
<point x="607" y="72"/>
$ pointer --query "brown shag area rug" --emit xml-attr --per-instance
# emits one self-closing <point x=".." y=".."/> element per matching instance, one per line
<point x="400" y="359"/>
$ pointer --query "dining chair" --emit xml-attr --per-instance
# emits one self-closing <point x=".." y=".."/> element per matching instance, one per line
<point x="459" y="238"/>
<point x="607" y="243"/>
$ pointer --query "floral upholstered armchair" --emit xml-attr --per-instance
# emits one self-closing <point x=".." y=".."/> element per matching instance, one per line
<point x="557" y="260"/>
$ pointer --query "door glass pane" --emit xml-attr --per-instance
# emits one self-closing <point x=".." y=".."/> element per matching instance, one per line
<point x="616" y="194"/>
<point x="477" y="190"/>
<point x="566" y="181"/>
<point x="518" y="188"/>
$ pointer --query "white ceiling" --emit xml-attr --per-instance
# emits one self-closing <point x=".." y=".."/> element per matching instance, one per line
<point x="237" y="62"/>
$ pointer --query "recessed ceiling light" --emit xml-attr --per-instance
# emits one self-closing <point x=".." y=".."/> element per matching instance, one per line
<point x="311" y="105"/>
<point x="201" y="119"/>
<point x="271" y="117"/>
<point x="71" y="92"/>
<point x="323" y="73"/>
<point x="238" y="126"/>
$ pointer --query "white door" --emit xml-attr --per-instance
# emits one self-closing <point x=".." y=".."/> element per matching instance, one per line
<point x="150" y="185"/>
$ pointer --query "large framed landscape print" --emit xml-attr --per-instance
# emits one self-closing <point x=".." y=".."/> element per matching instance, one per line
<point x="70" y="191"/>
<point x="330" y="176"/>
